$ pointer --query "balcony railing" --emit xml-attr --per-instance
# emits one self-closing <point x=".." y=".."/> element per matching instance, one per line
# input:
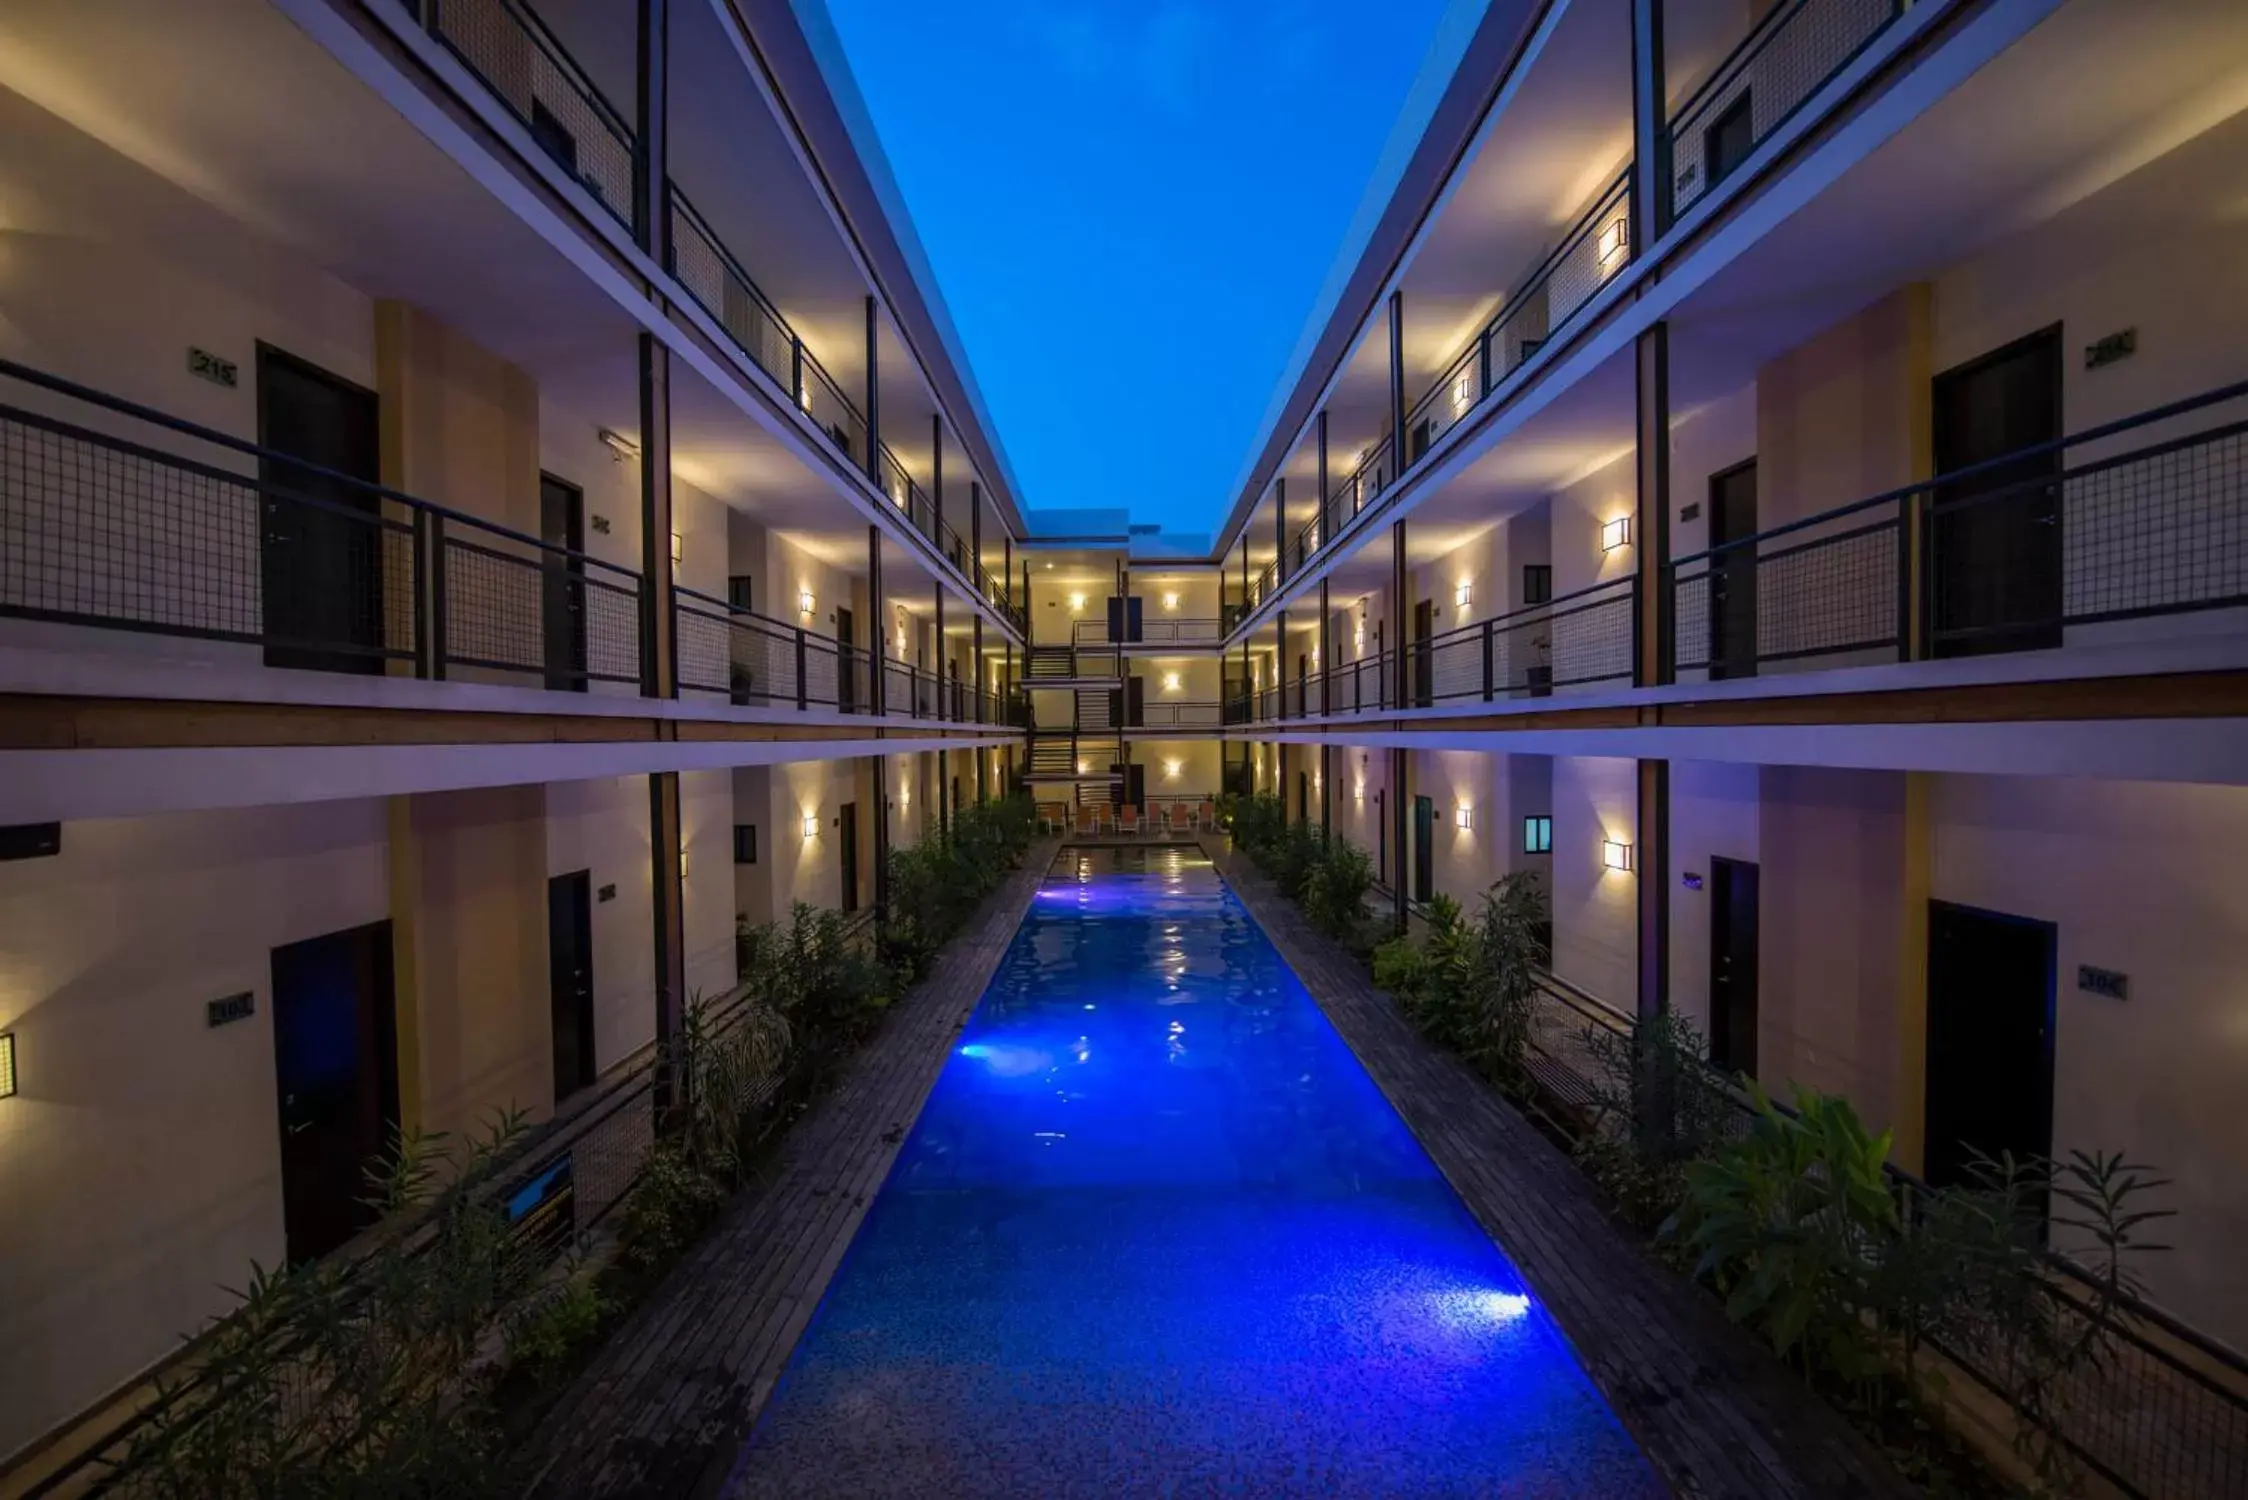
<point x="1589" y="256"/>
<point x="1176" y="714"/>
<point x="505" y="44"/>
<point x="2015" y="551"/>
<point x="1785" y="59"/>
<point x="208" y="537"/>
<point x="1164" y="630"/>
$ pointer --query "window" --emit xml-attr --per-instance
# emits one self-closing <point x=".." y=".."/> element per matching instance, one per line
<point x="745" y="843"/>
<point x="1537" y="583"/>
<point x="738" y="591"/>
<point x="1537" y="835"/>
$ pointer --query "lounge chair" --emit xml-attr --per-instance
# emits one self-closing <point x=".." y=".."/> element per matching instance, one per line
<point x="1089" y="821"/>
<point x="1128" y="821"/>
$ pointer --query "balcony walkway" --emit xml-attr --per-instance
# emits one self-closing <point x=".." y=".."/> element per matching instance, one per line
<point x="1714" y="1412"/>
<point x="666" y="1404"/>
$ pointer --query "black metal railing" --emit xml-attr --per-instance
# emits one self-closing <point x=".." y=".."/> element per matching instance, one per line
<point x="701" y="263"/>
<point x="2011" y="552"/>
<point x="1178" y="714"/>
<point x="510" y="49"/>
<point x="1596" y="248"/>
<point x="763" y="662"/>
<point x="183" y="531"/>
<point x="2164" y="1416"/>
<point x="1787" y="57"/>
<point x="1163" y="630"/>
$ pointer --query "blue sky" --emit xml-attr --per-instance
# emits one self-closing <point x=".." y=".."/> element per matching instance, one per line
<point x="1130" y="206"/>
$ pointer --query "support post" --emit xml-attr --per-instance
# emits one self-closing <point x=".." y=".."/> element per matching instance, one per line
<point x="1652" y="859"/>
<point x="873" y="396"/>
<point x="651" y="167"/>
<point x="1399" y="581"/>
<point x="936" y="482"/>
<point x="669" y="889"/>
<point x="1280" y="666"/>
<point x="881" y="764"/>
<point x="1279" y="531"/>
<point x="1653" y="657"/>
<point x="879" y="627"/>
<point x="1319" y="501"/>
<point x="1650" y="132"/>
<point x="1397" y="386"/>
<point x="1398" y="832"/>
<point x="659" y="675"/>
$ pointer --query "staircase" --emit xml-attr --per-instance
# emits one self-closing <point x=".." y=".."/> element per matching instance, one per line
<point x="1059" y="666"/>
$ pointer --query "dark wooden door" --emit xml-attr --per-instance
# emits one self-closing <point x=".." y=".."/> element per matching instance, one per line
<point x="1424" y="653"/>
<point x="321" y="538"/>
<point x="1424" y="848"/>
<point x="1135" y="702"/>
<point x="1994" y="539"/>
<point x="1990" y="1037"/>
<point x="1732" y="575"/>
<point x="1134" y="786"/>
<point x="335" y="1064"/>
<point x="569" y="968"/>
<point x="847" y="854"/>
<point x="1732" y="965"/>
<point x="562" y="582"/>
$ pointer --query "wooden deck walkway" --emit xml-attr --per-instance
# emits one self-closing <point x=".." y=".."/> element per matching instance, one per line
<point x="1712" y="1409"/>
<point x="666" y="1405"/>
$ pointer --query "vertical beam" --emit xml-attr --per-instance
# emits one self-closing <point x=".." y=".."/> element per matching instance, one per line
<point x="1326" y="666"/>
<point x="1319" y="501"/>
<point x="1652" y="859"/>
<point x="659" y="674"/>
<point x="1652" y="654"/>
<point x="880" y="765"/>
<point x="1280" y="666"/>
<point x="1279" y="531"/>
<point x="976" y="685"/>
<point x="1650" y="132"/>
<point x="936" y="481"/>
<point x="937" y="662"/>
<point x="1007" y="567"/>
<point x="1920" y="365"/>
<point x="873" y="396"/>
<point x="651" y="149"/>
<point x="664" y="844"/>
<point x="1397" y="386"/>
<point x="975" y="544"/>
<point x="1399" y="581"/>
<point x="878" y="626"/>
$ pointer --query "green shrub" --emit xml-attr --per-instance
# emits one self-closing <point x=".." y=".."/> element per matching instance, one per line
<point x="1656" y="1107"/>
<point x="1334" y="896"/>
<point x="937" y="884"/>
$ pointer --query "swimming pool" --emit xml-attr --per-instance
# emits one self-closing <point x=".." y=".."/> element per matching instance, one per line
<point x="1156" y="1232"/>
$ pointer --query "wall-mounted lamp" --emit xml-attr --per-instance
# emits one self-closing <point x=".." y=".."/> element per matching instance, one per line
<point x="7" y="1065"/>
<point x="1616" y="533"/>
<point x="1170" y="682"/>
<point x="1358" y="637"/>
<point x="682" y="864"/>
<point x="1615" y="854"/>
<point x="1614" y="240"/>
<point x="678" y="549"/>
<point x="805" y="602"/>
<point x="1172" y="768"/>
<point x="621" y="448"/>
<point x="1464" y="594"/>
<point x="1081" y="767"/>
<point x="1463" y="816"/>
<point x="1463" y="393"/>
<point x="1170" y="601"/>
<point x="1076" y="603"/>
<point x="811" y="825"/>
<point x="1358" y="792"/>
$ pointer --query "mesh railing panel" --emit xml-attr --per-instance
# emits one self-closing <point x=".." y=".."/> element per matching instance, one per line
<point x="824" y="402"/>
<point x="1783" y="64"/>
<point x="2159" y="531"/>
<point x="716" y="280"/>
<point x="521" y="63"/>
<point x="520" y="610"/>
<point x="1592" y="641"/>
<point x="100" y="531"/>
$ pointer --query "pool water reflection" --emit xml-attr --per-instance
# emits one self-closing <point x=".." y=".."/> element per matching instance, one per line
<point x="1157" y="1232"/>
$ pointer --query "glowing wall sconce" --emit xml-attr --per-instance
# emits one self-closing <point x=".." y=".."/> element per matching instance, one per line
<point x="804" y="396"/>
<point x="682" y="864"/>
<point x="1463" y="393"/>
<point x="1081" y="767"/>
<point x="1170" y="682"/>
<point x="1170" y="601"/>
<point x="1614" y="240"/>
<point x="1358" y="636"/>
<point x="1464" y="594"/>
<point x="811" y="825"/>
<point x="1463" y="816"/>
<point x="805" y="602"/>
<point x="1616" y="533"/>
<point x="1172" y="768"/>
<point x="7" y="1065"/>
<point x="678" y="548"/>
<point x="1076" y="603"/>
<point x="1358" y="792"/>
<point x="1615" y="854"/>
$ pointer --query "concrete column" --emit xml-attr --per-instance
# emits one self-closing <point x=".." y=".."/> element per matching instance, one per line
<point x="1651" y="860"/>
<point x="669" y="889"/>
<point x="1650" y="132"/>
<point x="659" y="665"/>
<point x="651" y="217"/>
<point x="1650" y="523"/>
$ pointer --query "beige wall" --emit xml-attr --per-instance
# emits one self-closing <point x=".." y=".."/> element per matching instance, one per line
<point x="810" y="869"/>
<point x="1595" y="909"/>
<point x="601" y="826"/>
<point x="140" y="1159"/>
<point x="1713" y="814"/>
<point x="2139" y="877"/>
<point x="1198" y="771"/>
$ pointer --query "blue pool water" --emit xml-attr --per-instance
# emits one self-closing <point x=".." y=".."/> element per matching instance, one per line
<point x="1157" y="1233"/>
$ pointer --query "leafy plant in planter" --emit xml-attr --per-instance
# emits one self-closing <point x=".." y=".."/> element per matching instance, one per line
<point x="1656" y="1107"/>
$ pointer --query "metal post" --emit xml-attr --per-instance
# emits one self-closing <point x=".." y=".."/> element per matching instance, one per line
<point x="1397" y="829"/>
<point x="1653" y="875"/>
<point x="1486" y="661"/>
<point x="875" y="613"/>
<point x="651" y="225"/>
<point x="881" y="842"/>
<point x="1399" y="582"/>
<point x="1280" y="665"/>
<point x="1319" y="501"/>
<point x="664" y="844"/>
<point x="439" y="609"/>
<point x="803" y="693"/>
<point x="659" y="676"/>
<point x="1279" y="531"/>
<point x="936" y="483"/>
<point x="975" y="537"/>
<point x="1653" y="656"/>
<point x="1650" y="134"/>
<point x="1397" y="384"/>
<point x="873" y="397"/>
